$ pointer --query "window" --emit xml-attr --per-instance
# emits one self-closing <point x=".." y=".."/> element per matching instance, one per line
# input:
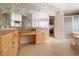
<point x="43" y="24"/>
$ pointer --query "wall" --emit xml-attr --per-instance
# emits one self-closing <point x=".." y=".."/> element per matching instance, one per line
<point x="59" y="24"/>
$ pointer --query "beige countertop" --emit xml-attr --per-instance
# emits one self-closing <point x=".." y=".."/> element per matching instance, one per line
<point x="5" y="31"/>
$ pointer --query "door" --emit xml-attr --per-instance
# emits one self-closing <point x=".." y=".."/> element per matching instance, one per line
<point x="39" y="36"/>
<point x="45" y="35"/>
<point x="51" y="26"/>
<point x="68" y="26"/>
<point x="15" y="43"/>
<point x="8" y="51"/>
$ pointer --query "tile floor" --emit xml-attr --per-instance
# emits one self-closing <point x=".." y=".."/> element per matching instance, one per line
<point x="54" y="47"/>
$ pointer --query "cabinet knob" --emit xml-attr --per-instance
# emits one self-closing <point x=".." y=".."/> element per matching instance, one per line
<point x="15" y="34"/>
<point x="13" y="42"/>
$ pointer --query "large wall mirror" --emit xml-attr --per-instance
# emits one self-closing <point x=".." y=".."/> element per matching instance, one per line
<point x="4" y="20"/>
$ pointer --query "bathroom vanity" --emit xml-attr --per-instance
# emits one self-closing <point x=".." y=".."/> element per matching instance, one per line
<point x="10" y="39"/>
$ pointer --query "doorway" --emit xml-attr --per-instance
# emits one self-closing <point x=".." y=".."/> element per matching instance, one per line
<point x="51" y="26"/>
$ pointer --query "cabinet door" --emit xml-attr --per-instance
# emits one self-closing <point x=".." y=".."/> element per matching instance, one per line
<point x="15" y="48"/>
<point x="5" y="40"/>
<point x="45" y="35"/>
<point x="15" y="43"/>
<point x="8" y="51"/>
<point x="39" y="36"/>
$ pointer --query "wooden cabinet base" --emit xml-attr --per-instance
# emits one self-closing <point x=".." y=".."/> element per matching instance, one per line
<point x="8" y="51"/>
<point x="42" y="36"/>
<point x="10" y="45"/>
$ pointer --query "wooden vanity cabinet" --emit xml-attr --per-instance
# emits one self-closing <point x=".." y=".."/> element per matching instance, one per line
<point x="15" y="43"/>
<point x="45" y="35"/>
<point x="42" y="36"/>
<point x="39" y="36"/>
<point x="9" y="44"/>
<point x="8" y="51"/>
<point x="5" y="40"/>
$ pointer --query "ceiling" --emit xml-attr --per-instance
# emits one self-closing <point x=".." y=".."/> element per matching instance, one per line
<point x="27" y="7"/>
<point x="68" y="8"/>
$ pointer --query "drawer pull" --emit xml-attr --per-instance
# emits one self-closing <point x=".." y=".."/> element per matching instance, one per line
<point x="15" y="34"/>
<point x="13" y="42"/>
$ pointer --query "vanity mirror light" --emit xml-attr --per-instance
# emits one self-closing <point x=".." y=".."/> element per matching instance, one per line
<point x="17" y="23"/>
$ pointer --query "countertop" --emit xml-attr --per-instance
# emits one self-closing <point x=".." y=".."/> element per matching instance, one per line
<point x="26" y="30"/>
<point x="6" y="31"/>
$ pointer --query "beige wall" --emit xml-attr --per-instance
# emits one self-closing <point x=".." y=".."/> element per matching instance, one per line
<point x="59" y="25"/>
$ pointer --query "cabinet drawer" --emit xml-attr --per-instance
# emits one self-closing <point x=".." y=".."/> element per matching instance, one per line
<point x="5" y="39"/>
